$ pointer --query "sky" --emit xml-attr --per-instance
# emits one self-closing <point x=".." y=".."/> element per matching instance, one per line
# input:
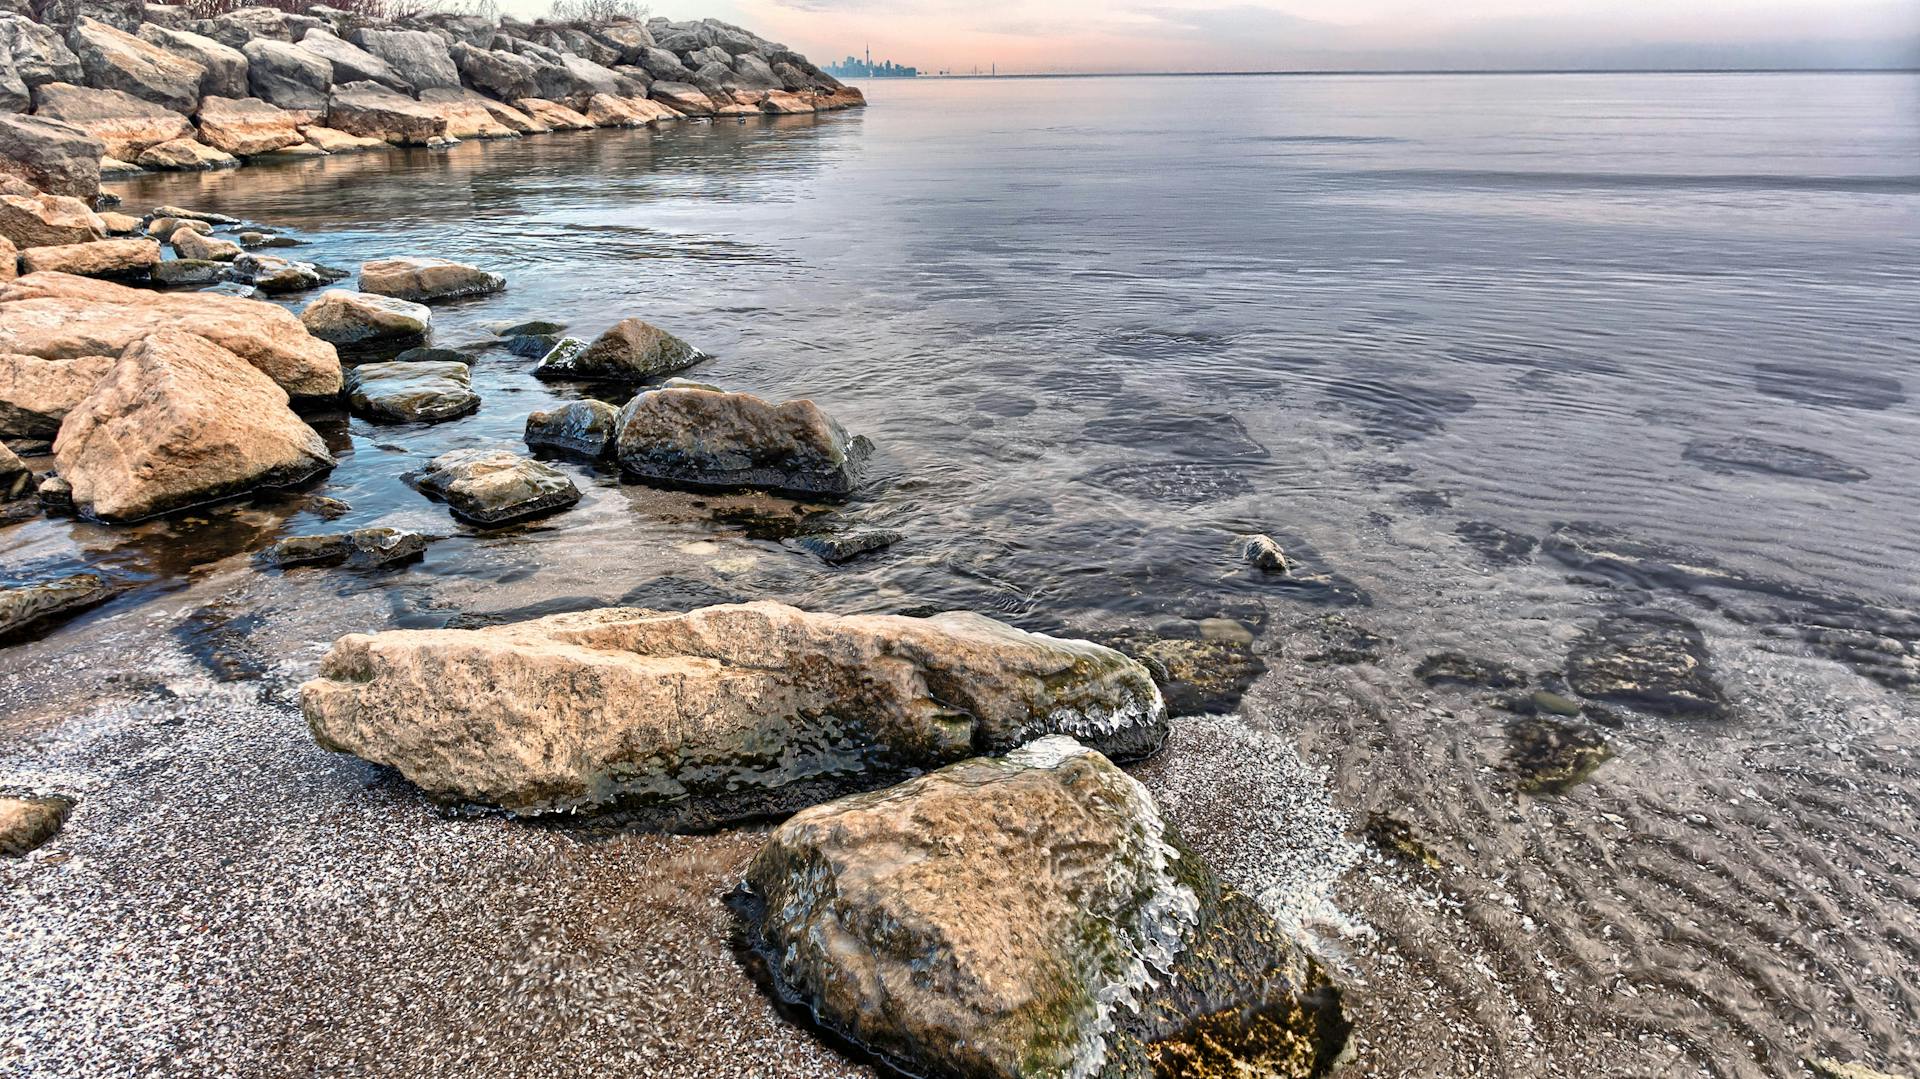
<point x="1267" y="35"/>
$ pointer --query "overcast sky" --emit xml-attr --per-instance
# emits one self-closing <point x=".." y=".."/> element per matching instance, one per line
<point x="1222" y="35"/>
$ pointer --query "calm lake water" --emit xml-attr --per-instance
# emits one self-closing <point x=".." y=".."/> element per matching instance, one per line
<point x="1490" y="355"/>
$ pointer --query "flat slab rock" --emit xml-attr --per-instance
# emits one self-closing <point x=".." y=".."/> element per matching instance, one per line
<point x="720" y="714"/>
<point x="495" y="487"/>
<point x="1653" y="661"/>
<point x="30" y="609"/>
<point x="428" y="391"/>
<point x="1030" y="916"/>
<point x="362" y="548"/>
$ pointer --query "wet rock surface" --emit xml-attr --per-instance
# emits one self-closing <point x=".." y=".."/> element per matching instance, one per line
<point x="28" y="823"/>
<point x="632" y="351"/>
<point x="427" y="280"/>
<point x="1653" y="661"/>
<point x="941" y="927"/>
<point x="1452" y="668"/>
<point x="495" y="487"/>
<point x="28" y="610"/>
<point x="834" y="548"/>
<point x="1550" y="756"/>
<point x="1773" y="458"/>
<point x="712" y="438"/>
<point x="580" y="428"/>
<point x="1198" y="672"/>
<point x="725" y="713"/>
<point x="411" y="392"/>
<point x="362" y="548"/>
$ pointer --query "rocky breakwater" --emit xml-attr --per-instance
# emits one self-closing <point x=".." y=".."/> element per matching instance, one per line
<point x="93" y="85"/>
<point x="720" y="714"/>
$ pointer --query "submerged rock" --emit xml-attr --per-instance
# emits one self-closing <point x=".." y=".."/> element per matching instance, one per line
<point x="28" y="610"/>
<point x="1652" y="661"/>
<point x="721" y="714"/>
<point x="183" y="273"/>
<point x="1199" y="673"/>
<point x="180" y="421"/>
<point x="274" y="275"/>
<point x="711" y="438"/>
<point x="632" y="351"/>
<point x="1453" y="668"/>
<point x="425" y="280"/>
<point x="27" y="823"/>
<point x="495" y="487"/>
<point x="362" y="322"/>
<point x="431" y="392"/>
<point x="581" y="428"/>
<point x="363" y="548"/>
<point x="1760" y="455"/>
<point x="837" y="547"/>
<point x="1551" y="755"/>
<point x="1032" y="916"/>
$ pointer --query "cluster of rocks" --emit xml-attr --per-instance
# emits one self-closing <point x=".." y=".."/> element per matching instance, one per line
<point x="969" y="885"/>
<point x="118" y="86"/>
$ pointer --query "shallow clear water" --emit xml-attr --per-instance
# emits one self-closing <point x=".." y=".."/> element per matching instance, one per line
<point x="1096" y="326"/>
<point x="1411" y="326"/>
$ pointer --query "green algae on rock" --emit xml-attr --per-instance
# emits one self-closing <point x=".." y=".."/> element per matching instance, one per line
<point x="1551" y="756"/>
<point x="721" y="714"/>
<point x="940" y="927"/>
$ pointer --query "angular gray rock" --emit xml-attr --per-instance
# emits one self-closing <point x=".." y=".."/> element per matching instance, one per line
<point x="495" y="487"/>
<point x="420" y="392"/>
<point x="632" y="351"/>
<point x="710" y="438"/>
<point x="40" y="55"/>
<point x="580" y="428"/>
<point x="727" y="712"/>
<point x="286" y="75"/>
<point x="419" y="57"/>
<point x="116" y="60"/>
<point x="225" y="67"/>
<point x="1032" y="916"/>
<point x="351" y="63"/>
<point x="54" y="157"/>
<point x="505" y="75"/>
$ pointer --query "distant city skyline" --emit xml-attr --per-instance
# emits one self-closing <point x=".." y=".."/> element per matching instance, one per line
<point x="1070" y="36"/>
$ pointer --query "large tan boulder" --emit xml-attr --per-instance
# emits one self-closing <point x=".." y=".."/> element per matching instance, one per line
<point x="363" y="321"/>
<point x="54" y="157"/>
<point x="61" y="316"/>
<point x="373" y="111"/>
<point x="101" y="258"/>
<point x="116" y="60"/>
<point x="248" y="126"/>
<point x="197" y="244"/>
<point x="703" y="437"/>
<point x="427" y="280"/>
<point x="327" y="140"/>
<point x="178" y="422"/>
<point x="45" y="220"/>
<point x="491" y="487"/>
<point x="684" y="97"/>
<point x="36" y="394"/>
<point x="786" y="103"/>
<point x="1032" y="916"/>
<point x="513" y="119"/>
<point x="609" y="110"/>
<point x="124" y="124"/>
<point x="466" y="113"/>
<point x="9" y="260"/>
<point x="721" y="713"/>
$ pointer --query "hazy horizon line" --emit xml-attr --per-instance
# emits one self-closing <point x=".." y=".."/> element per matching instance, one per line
<point x="1811" y="70"/>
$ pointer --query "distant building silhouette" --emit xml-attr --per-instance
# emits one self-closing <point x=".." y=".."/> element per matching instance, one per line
<point x="853" y="67"/>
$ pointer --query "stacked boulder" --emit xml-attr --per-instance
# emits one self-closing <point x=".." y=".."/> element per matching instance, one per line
<point x="92" y="83"/>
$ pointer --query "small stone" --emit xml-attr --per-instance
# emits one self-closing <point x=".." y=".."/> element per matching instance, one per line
<point x="1262" y="552"/>
<point x="178" y="273"/>
<point x="363" y="548"/>
<point x="582" y="428"/>
<point x="425" y="280"/>
<point x="411" y="392"/>
<point x="365" y="322"/>
<point x="274" y="275"/>
<point x="495" y="487"/>
<point x="194" y="244"/>
<point x="536" y="326"/>
<point x="837" y="547"/>
<point x="632" y="351"/>
<point x="27" y="823"/>
<point x="1550" y="703"/>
